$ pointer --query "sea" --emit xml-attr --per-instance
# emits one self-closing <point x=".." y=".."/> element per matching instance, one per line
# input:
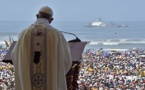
<point x="107" y="38"/>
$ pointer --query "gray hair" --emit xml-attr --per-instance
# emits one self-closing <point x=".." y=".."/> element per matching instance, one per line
<point x="44" y="15"/>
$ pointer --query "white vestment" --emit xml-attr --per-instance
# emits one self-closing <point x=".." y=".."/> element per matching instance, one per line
<point x="55" y="60"/>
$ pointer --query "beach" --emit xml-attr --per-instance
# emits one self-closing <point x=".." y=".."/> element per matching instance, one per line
<point x="99" y="70"/>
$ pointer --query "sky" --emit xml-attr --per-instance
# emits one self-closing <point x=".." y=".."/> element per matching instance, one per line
<point x="74" y="10"/>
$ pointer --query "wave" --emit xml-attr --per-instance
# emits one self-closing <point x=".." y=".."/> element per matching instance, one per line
<point x="2" y="43"/>
<point x="110" y="43"/>
<point x="115" y="49"/>
<point x="117" y="41"/>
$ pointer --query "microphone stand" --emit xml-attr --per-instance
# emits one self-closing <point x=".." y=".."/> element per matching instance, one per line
<point x="74" y="40"/>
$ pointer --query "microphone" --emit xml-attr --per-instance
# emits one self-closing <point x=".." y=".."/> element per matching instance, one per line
<point x="74" y="40"/>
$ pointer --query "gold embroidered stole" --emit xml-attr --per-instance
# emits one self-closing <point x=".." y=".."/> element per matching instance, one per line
<point x="38" y="71"/>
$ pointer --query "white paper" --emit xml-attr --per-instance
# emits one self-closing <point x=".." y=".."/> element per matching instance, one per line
<point x="77" y="49"/>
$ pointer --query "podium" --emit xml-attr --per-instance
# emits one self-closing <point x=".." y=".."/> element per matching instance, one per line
<point x="76" y="49"/>
<point x="7" y="58"/>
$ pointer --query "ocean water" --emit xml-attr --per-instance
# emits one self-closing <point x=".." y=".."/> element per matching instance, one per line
<point x="97" y="37"/>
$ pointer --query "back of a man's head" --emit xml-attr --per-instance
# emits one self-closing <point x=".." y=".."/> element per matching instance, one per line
<point x="45" y="12"/>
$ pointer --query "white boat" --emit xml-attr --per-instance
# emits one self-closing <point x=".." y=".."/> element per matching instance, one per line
<point x="100" y="23"/>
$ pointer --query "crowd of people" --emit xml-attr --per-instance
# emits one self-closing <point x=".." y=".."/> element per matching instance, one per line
<point x="99" y="70"/>
<point x="6" y="72"/>
<point x="112" y="70"/>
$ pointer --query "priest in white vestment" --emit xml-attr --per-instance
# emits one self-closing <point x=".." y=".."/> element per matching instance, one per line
<point x="41" y="56"/>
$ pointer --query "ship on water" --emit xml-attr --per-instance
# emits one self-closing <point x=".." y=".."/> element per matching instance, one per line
<point x="100" y="23"/>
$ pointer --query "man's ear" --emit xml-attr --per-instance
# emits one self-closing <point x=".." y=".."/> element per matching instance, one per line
<point x="50" y="20"/>
<point x="37" y="16"/>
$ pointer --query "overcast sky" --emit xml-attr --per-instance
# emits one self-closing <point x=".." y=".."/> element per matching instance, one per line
<point x="75" y="10"/>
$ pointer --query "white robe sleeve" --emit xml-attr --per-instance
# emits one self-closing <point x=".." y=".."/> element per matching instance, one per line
<point x="67" y="57"/>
